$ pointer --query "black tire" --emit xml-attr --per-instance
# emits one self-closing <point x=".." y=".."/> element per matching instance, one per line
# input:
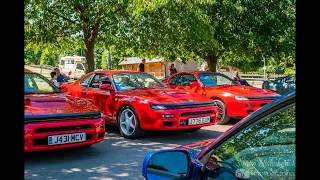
<point x="137" y="132"/>
<point x="223" y="117"/>
<point x="192" y="130"/>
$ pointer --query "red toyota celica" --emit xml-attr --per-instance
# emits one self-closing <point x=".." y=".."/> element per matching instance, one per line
<point x="137" y="102"/>
<point x="233" y="100"/>
<point x="54" y="121"/>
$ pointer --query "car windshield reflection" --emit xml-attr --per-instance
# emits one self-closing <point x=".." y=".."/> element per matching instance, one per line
<point x="212" y="79"/>
<point x="130" y="81"/>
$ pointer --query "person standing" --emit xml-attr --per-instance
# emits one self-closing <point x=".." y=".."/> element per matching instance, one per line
<point x="61" y="77"/>
<point x="141" y="65"/>
<point x="172" y="69"/>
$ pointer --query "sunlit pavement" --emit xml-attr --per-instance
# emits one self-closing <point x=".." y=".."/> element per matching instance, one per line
<point x="114" y="158"/>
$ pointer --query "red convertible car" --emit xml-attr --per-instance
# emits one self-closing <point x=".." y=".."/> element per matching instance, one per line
<point x="54" y="121"/>
<point x="137" y="102"/>
<point x="233" y="100"/>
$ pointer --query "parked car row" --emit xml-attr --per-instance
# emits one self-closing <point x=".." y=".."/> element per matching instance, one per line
<point x="260" y="146"/>
<point x="135" y="102"/>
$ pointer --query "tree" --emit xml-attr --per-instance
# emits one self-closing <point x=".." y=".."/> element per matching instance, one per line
<point x="68" y="23"/>
<point x="211" y="29"/>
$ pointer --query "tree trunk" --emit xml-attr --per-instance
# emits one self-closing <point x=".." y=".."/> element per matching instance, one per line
<point x="90" y="57"/>
<point x="89" y="40"/>
<point x="212" y="63"/>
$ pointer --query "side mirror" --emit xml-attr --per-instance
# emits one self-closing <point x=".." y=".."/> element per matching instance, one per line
<point x="106" y="86"/>
<point x="167" y="164"/>
<point x="63" y="89"/>
<point x="194" y="84"/>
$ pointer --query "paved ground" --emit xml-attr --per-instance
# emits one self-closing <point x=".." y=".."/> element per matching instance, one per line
<point x="114" y="158"/>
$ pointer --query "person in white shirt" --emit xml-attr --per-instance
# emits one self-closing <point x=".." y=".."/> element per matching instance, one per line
<point x="54" y="78"/>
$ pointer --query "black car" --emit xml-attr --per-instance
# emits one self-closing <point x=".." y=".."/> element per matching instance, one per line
<point x="281" y="85"/>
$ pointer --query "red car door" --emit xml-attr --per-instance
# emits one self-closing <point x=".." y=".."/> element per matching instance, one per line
<point x="80" y="89"/>
<point x="103" y="99"/>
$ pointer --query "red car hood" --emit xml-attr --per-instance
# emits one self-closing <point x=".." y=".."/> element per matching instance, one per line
<point x="166" y="95"/>
<point x="242" y="90"/>
<point x="47" y="104"/>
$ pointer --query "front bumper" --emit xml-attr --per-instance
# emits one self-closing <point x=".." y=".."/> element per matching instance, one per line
<point x="36" y="134"/>
<point x="244" y="108"/>
<point x="179" y="121"/>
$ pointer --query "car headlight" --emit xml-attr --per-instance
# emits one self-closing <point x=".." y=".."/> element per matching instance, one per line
<point x="241" y="98"/>
<point x="158" y="107"/>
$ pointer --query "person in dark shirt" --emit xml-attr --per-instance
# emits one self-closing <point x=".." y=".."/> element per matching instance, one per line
<point x="141" y="65"/>
<point x="61" y="77"/>
<point x="173" y="70"/>
<point x="240" y="81"/>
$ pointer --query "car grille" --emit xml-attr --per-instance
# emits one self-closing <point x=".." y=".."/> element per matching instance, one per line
<point x="63" y="128"/>
<point x="196" y="113"/>
<point x="56" y="117"/>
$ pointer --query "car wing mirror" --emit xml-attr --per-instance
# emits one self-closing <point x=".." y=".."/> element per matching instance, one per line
<point x="194" y="84"/>
<point x="106" y="87"/>
<point x="167" y="164"/>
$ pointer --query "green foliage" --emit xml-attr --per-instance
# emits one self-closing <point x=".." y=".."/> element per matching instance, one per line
<point x="240" y="31"/>
<point x="104" y="60"/>
<point x="32" y="57"/>
<point x="73" y="24"/>
<point x="289" y="71"/>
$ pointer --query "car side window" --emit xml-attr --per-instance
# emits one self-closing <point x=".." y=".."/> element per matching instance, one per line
<point x="264" y="150"/>
<point x="186" y="79"/>
<point x="174" y="79"/>
<point x="97" y="79"/>
<point x="86" y="81"/>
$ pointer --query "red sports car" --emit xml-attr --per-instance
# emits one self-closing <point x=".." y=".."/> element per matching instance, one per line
<point x="233" y="100"/>
<point x="54" y="121"/>
<point x="137" y="102"/>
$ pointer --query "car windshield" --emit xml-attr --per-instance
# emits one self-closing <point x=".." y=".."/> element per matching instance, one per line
<point x="36" y="83"/>
<point x="215" y="79"/>
<point x="128" y="81"/>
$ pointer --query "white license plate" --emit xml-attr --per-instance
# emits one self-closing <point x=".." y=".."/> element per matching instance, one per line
<point x="199" y="120"/>
<point x="66" y="138"/>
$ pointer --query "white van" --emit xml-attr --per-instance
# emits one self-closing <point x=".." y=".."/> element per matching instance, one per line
<point x="74" y="66"/>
